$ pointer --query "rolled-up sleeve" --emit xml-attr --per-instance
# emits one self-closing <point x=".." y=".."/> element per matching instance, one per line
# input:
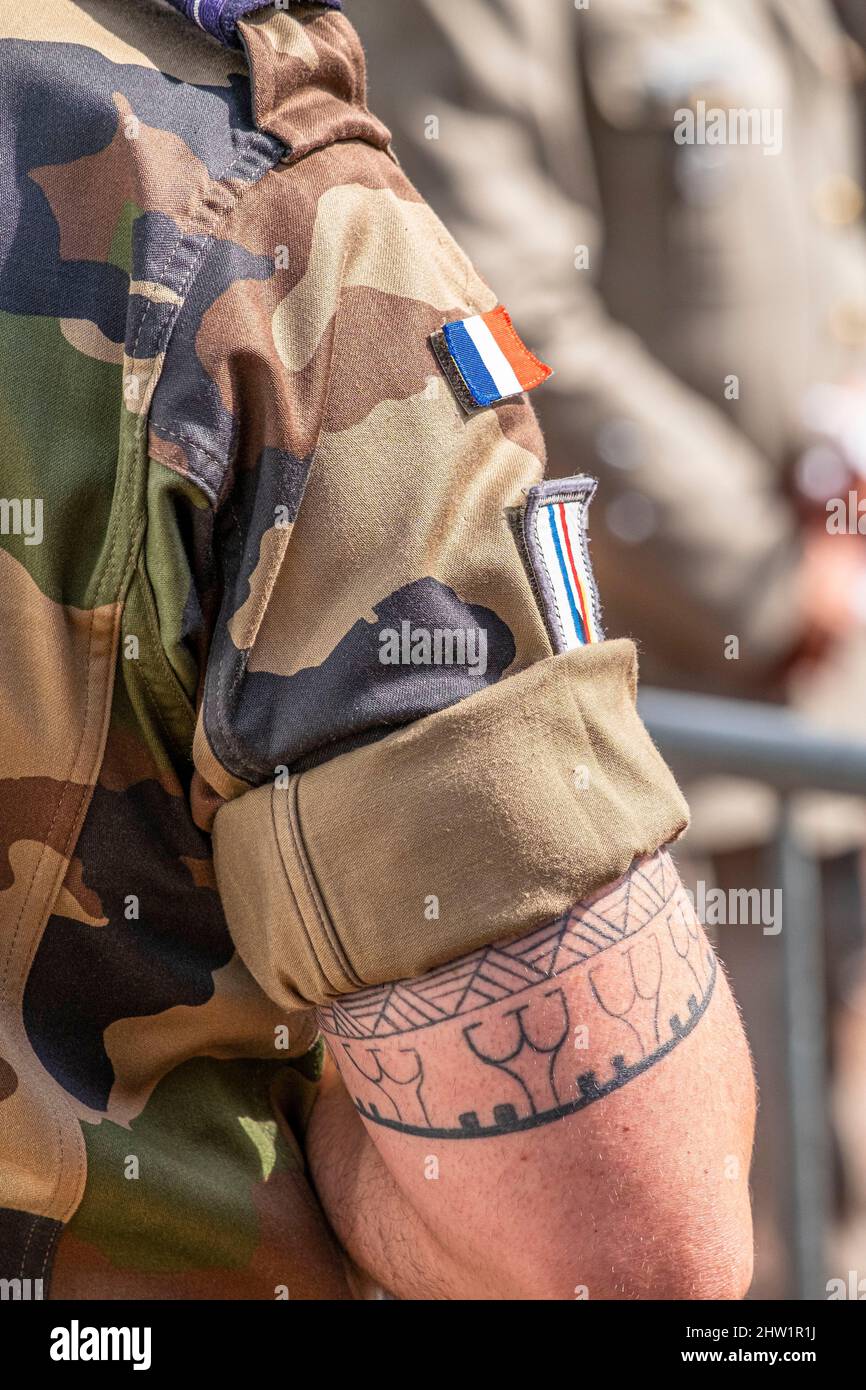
<point x="479" y="822"/>
<point x="401" y="756"/>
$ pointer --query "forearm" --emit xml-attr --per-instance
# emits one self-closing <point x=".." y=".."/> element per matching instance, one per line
<point x="570" y="1111"/>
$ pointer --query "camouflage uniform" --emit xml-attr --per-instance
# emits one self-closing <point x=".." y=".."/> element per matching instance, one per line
<point x="219" y="395"/>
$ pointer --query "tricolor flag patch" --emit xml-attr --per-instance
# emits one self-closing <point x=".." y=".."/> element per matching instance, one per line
<point x="485" y="360"/>
<point x="554" y="535"/>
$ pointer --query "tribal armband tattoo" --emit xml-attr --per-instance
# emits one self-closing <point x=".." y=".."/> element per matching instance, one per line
<point x="630" y="967"/>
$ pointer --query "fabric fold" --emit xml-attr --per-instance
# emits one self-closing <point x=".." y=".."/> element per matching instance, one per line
<point x="477" y="823"/>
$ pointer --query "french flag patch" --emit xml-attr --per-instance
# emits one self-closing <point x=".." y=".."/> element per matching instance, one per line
<point x="554" y="527"/>
<point x="485" y="361"/>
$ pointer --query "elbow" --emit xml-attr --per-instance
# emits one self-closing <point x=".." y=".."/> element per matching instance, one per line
<point x="702" y="1265"/>
<point x="705" y="1261"/>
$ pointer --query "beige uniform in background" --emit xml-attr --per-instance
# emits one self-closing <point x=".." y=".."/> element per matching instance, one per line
<point x="543" y="135"/>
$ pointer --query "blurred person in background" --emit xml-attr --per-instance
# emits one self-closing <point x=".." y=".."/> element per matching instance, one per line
<point x="671" y="190"/>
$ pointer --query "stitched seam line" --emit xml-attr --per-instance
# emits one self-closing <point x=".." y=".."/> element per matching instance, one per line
<point x="49" y="1250"/>
<point x="287" y="875"/>
<point x="166" y="674"/>
<point x="206" y="488"/>
<point x="30" y="1234"/>
<point x="187" y="439"/>
<point x="251" y="153"/>
<point x="329" y="931"/>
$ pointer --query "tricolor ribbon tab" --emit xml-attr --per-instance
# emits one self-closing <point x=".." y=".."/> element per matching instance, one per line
<point x="557" y="551"/>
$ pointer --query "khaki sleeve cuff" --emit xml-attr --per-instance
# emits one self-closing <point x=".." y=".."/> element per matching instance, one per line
<point x="477" y="823"/>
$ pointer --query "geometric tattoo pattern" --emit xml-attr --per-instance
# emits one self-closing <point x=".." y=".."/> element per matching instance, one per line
<point x="630" y="964"/>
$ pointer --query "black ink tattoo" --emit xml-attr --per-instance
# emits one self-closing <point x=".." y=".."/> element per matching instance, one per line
<point x="636" y="965"/>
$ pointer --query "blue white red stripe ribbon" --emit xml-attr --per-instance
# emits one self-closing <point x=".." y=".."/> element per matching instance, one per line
<point x="555" y="534"/>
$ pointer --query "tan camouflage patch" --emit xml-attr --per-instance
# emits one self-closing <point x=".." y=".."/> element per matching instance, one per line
<point x="86" y="337"/>
<point x="245" y="623"/>
<point x="43" y="1151"/>
<point x="140" y="375"/>
<point x="156" y="293"/>
<point x="446" y="500"/>
<point x="238" y="1021"/>
<point x="285" y="36"/>
<point x="52" y="686"/>
<point x="124" y="34"/>
<point x="77" y="901"/>
<point x="372" y="237"/>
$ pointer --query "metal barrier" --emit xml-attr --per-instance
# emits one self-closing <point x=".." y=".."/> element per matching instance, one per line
<point x="703" y="735"/>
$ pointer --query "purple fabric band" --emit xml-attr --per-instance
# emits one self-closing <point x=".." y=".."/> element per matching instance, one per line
<point x="220" y="17"/>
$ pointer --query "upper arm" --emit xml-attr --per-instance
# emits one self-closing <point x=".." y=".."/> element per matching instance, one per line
<point x="568" y="1114"/>
<point x="412" y="741"/>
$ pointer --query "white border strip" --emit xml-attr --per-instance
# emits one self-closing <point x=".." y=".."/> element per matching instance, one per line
<point x="492" y="356"/>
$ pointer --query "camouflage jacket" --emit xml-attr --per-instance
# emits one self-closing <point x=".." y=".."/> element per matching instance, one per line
<point x="230" y="463"/>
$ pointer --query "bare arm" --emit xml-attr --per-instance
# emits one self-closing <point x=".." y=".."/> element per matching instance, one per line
<point x="565" y="1115"/>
